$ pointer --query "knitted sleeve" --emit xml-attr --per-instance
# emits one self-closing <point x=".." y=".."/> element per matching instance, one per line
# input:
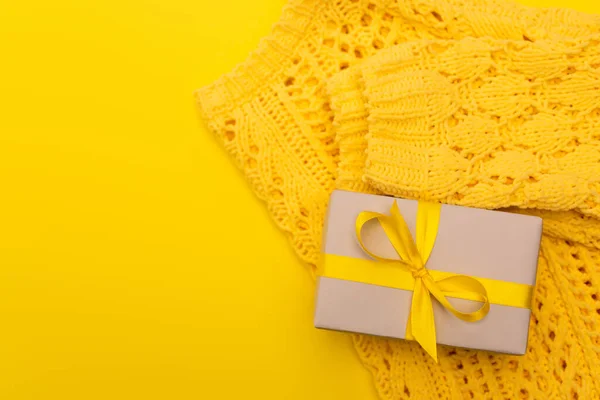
<point x="482" y="122"/>
<point x="272" y="113"/>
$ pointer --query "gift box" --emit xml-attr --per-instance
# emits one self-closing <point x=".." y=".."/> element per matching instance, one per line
<point x="438" y="274"/>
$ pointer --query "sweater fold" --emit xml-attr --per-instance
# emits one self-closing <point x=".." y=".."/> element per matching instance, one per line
<point x="487" y="104"/>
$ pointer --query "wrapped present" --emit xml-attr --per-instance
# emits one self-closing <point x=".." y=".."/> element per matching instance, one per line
<point x="437" y="274"/>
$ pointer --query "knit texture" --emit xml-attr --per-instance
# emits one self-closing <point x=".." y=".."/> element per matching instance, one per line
<point x="481" y="103"/>
<point x="420" y="120"/>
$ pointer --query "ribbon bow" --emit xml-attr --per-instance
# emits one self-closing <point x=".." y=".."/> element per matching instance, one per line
<point x="421" y="326"/>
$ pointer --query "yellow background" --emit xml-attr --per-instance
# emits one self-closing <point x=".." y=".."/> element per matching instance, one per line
<point x="115" y="203"/>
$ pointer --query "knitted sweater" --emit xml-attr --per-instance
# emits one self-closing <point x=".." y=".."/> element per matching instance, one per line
<point x="481" y="103"/>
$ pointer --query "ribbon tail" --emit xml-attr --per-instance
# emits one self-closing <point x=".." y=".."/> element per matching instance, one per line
<point x="408" y="334"/>
<point x="422" y="324"/>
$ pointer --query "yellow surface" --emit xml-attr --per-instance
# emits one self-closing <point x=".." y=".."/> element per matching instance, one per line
<point x="109" y="282"/>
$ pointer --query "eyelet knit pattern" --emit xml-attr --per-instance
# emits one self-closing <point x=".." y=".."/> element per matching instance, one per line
<point x="482" y="122"/>
<point x="413" y="121"/>
<point x="481" y="103"/>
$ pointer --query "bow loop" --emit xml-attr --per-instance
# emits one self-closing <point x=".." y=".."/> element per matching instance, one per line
<point x="414" y="257"/>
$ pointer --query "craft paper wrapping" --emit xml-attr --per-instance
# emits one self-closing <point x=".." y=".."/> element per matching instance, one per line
<point x="479" y="243"/>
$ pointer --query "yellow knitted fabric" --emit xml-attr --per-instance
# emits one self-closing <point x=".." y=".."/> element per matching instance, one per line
<point x="483" y="122"/>
<point x="444" y="120"/>
<point x="482" y="103"/>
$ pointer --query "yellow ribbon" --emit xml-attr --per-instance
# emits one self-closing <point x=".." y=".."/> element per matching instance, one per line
<point x="413" y="257"/>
